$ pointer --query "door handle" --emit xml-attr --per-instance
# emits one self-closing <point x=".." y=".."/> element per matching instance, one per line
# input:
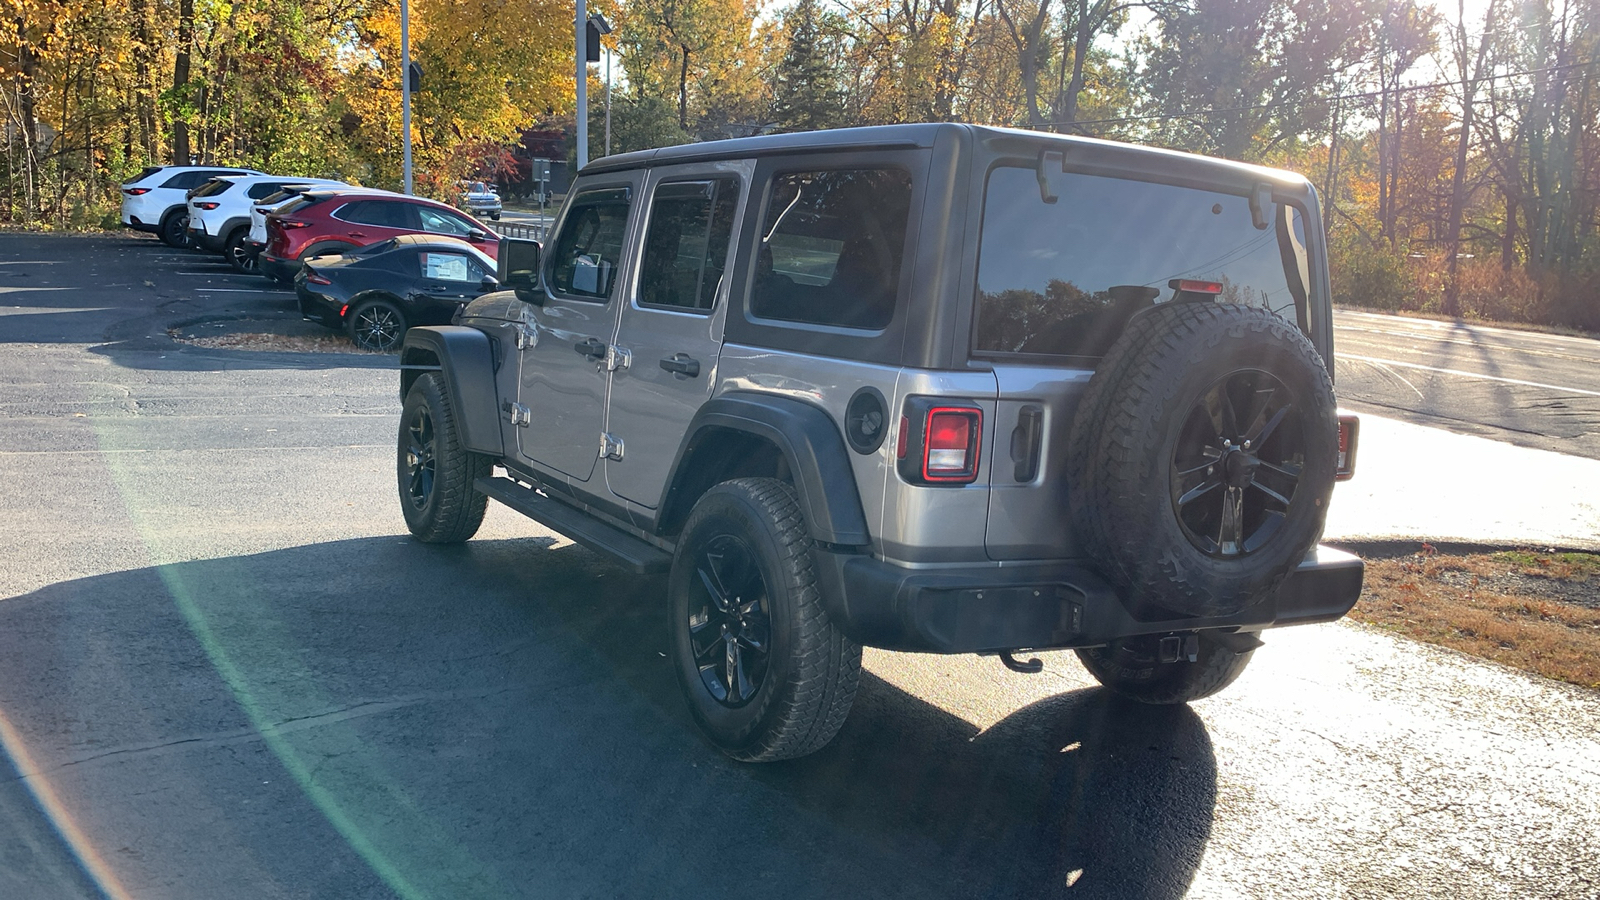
<point x="682" y="364"/>
<point x="593" y="348"/>
<point x="356" y="233"/>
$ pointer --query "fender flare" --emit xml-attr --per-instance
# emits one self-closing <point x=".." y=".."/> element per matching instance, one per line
<point x="464" y="357"/>
<point x="810" y="442"/>
<point x="231" y="224"/>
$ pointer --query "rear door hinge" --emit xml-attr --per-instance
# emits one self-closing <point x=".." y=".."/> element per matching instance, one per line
<point x="517" y="413"/>
<point x="610" y="446"/>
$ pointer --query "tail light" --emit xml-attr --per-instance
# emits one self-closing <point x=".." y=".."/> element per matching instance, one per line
<point x="939" y="442"/>
<point x="1349" y="431"/>
<point x="135" y="192"/>
<point x="287" y="224"/>
<point x="313" y="278"/>
<point x="207" y="204"/>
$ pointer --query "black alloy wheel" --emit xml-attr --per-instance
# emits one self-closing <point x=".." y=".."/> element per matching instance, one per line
<point x="238" y="251"/>
<point x="175" y="230"/>
<point x="378" y="326"/>
<point x="418" y="456"/>
<point x="1237" y="462"/>
<point x="730" y="621"/>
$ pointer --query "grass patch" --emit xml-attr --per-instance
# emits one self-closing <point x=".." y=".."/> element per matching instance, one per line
<point x="1539" y="612"/>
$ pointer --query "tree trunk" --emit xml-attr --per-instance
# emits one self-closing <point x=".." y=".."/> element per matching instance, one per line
<point x="180" y="80"/>
<point x="683" y="90"/>
<point x="1451" y="304"/>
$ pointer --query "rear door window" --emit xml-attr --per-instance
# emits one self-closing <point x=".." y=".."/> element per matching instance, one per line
<point x="686" y="245"/>
<point x="379" y="213"/>
<point x="830" y="247"/>
<point x="1064" y="278"/>
<point x="585" y="254"/>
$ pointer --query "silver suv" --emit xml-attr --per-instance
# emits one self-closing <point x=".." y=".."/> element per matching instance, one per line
<point x="935" y="388"/>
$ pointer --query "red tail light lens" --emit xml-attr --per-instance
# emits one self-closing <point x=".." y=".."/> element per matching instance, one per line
<point x="135" y="192"/>
<point x="207" y="204"/>
<point x="1349" y="431"/>
<point x="939" y="443"/>
<point x="1189" y="285"/>
<point x="313" y="278"/>
<point x="287" y="224"/>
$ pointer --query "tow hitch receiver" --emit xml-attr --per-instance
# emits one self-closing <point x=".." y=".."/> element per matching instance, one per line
<point x="1179" y="646"/>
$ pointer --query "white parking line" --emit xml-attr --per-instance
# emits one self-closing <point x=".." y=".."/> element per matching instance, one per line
<point x="236" y="291"/>
<point x="1405" y="365"/>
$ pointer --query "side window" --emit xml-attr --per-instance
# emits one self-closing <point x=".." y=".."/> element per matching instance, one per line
<point x="585" y="253"/>
<point x="380" y="213"/>
<point x="449" y="267"/>
<point x="186" y="180"/>
<point x="438" y="221"/>
<point x="686" y="245"/>
<point x="830" y="247"/>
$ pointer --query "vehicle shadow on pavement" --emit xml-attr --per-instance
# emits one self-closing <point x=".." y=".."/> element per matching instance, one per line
<point x="163" y="355"/>
<point x="379" y="717"/>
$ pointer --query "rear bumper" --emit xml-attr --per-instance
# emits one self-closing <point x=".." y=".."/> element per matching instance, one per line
<point x="979" y="609"/>
<point x="210" y="242"/>
<point x="281" y="269"/>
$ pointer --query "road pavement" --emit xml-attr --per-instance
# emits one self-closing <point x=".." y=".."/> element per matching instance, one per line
<point x="1531" y="389"/>
<point x="226" y="671"/>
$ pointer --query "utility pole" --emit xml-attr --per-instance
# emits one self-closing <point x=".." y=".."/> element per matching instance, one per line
<point x="405" y="90"/>
<point x="581" y="55"/>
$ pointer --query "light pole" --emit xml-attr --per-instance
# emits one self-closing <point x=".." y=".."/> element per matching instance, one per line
<point x="405" y="90"/>
<point x="581" y="55"/>
<point x="602" y="27"/>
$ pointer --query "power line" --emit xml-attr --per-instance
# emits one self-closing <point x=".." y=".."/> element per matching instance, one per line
<point x="1362" y="95"/>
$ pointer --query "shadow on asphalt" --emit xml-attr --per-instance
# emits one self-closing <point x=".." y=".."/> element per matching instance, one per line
<point x="381" y="717"/>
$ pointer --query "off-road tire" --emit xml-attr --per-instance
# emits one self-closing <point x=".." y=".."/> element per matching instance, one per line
<point x="449" y="509"/>
<point x="1120" y="456"/>
<point x="1127" y="669"/>
<point x="812" y="669"/>
<point x="174" y="229"/>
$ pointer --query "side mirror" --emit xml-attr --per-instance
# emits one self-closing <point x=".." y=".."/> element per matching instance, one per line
<point x="489" y="283"/>
<point x="477" y="235"/>
<point x="519" y="268"/>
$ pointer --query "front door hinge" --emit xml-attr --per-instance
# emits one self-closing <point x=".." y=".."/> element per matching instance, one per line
<point x="526" y="337"/>
<point x="610" y="446"/>
<point x="517" y="413"/>
<point x="617" y="358"/>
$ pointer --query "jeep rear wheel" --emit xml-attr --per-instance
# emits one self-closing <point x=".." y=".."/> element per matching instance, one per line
<point x="765" y="673"/>
<point x="1202" y="458"/>
<point x="1133" y="668"/>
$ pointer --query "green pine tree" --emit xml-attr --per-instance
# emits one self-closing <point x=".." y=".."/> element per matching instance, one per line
<point x="806" y="92"/>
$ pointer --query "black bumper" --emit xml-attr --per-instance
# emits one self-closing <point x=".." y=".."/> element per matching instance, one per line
<point x="281" y="269"/>
<point x="208" y="242"/>
<point x="979" y="609"/>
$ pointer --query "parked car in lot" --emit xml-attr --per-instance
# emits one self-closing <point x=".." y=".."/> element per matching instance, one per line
<point x="377" y="292"/>
<point x="157" y="200"/>
<point x="319" y="222"/>
<point x="937" y="388"/>
<point x="479" y="198"/>
<point x="219" y="211"/>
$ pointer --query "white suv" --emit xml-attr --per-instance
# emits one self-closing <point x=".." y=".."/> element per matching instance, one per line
<point x="156" y="200"/>
<point x="219" y="212"/>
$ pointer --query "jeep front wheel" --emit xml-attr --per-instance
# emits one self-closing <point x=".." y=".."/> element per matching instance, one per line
<point x="435" y="472"/>
<point x="765" y="673"/>
<point x="1133" y="668"/>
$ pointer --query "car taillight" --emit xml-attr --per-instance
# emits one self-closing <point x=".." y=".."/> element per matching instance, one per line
<point x="135" y="192"/>
<point x="1192" y="286"/>
<point x="939" y="443"/>
<point x="287" y="224"/>
<point x="314" y="278"/>
<point x="207" y="204"/>
<point x="1349" y="431"/>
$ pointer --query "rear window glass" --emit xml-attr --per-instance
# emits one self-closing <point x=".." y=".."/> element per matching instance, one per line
<point x="1063" y="278"/>
<point x="379" y="213"/>
<point x="213" y="188"/>
<point x="262" y="189"/>
<point x="831" y="246"/>
<point x="686" y="246"/>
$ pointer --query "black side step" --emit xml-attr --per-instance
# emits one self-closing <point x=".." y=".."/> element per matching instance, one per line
<point x="640" y="556"/>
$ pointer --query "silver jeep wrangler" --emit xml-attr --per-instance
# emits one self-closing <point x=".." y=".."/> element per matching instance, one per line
<point x="936" y="388"/>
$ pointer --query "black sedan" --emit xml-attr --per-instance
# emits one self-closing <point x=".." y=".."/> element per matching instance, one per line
<point x="377" y="292"/>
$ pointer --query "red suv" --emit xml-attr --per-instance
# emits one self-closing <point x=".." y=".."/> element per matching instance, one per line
<point x="327" y="222"/>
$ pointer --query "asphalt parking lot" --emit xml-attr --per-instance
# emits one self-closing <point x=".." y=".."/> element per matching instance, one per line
<point x="225" y="671"/>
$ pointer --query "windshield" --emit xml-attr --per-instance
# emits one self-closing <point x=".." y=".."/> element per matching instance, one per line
<point x="1063" y="278"/>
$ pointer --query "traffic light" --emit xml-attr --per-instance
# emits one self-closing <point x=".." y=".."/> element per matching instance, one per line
<point x="414" y="77"/>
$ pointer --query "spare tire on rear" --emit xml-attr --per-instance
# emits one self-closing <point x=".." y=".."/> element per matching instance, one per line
<point x="1202" y="458"/>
